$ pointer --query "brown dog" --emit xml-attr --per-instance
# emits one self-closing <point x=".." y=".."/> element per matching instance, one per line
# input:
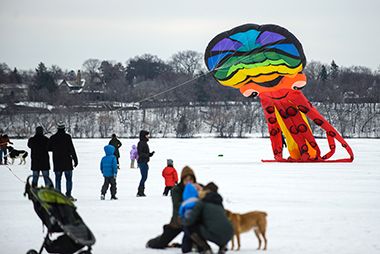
<point x="255" y="220"/>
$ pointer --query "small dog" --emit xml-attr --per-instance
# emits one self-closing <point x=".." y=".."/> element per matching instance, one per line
<point x="255" y="220"/>
<point x="17" y="154"/>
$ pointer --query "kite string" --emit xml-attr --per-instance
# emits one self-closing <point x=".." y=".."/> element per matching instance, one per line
<point x="22" y="181"/>
<point x="246" y="55"/>
<point x="174" y="87"/>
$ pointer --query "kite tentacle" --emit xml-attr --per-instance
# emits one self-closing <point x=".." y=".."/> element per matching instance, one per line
<point x="273" y="128"/>
<point x="331" y="132"/>
<point x="299" y="130"/>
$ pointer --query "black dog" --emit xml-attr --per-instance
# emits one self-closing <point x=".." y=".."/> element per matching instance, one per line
<point x="14" y="154"/>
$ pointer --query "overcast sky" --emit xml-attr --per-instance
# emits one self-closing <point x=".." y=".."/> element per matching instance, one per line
<point x="68" y="32"/>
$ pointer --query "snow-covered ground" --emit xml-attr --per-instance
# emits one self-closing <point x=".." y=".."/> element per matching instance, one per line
<point x="312" y="208"/>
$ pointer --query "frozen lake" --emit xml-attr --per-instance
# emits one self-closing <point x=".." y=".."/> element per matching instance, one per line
<point x="312" y="208"/>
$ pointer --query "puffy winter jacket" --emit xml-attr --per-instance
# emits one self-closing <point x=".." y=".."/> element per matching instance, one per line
<point x="117" y="144"/>
<point x="38" y="145"/>
<point x="190" y="199"/>
<point x="170" y="175"/>
<point x="108" y="165"/>
<point x="63" y="150"/>
<point x="143" y="148"/>
<point x="133" y="153"/>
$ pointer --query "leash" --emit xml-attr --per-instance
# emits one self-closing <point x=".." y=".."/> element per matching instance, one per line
<point x="22" y="181"/>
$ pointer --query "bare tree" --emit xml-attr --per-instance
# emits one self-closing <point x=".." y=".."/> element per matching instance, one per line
<point x="188" y="62"/>
<point x="91" y="66"/>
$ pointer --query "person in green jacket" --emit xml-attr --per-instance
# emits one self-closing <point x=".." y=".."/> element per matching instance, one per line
<point x="208" y="220"/>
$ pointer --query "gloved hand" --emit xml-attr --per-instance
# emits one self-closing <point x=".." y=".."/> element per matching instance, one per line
<point x="151" y="154"/>
<point x="75" y="164"/>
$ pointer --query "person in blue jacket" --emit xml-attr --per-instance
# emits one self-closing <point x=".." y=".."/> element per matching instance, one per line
<point x="108" y="166"/>
<point x="190" y="199"/>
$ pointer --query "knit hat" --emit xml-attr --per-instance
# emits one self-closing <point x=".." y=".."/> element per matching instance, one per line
<point x="169" y="162"/>
<point x="187" y="171"/>
<point x="60" y="125"/>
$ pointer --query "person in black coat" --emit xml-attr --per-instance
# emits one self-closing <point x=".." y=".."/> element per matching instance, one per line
<point x="142" y="162"/>
<point x="64" y="156"/>
<point x="38" y="145"/>
<point x="117" y="144"/>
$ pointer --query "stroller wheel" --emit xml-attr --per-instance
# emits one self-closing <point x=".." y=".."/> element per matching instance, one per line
<point x="32" y="252"/>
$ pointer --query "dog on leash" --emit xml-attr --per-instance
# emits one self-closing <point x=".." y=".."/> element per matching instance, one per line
<point x="14" y="154"/>
<point x="242" y="223"/>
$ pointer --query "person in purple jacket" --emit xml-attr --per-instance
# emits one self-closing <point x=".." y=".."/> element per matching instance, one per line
<point x="108" y="167"/>
<point x="133" y="155"/>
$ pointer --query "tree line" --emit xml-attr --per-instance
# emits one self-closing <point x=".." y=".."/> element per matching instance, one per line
<point x="147" y="76"/>
<point x="234" y="120"/>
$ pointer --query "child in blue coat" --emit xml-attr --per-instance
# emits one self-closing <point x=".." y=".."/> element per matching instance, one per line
<point x="108" y="166"/>
<point x="190" y="199"/>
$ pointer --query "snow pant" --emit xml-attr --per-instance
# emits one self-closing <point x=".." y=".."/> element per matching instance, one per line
<point x="45" y="173"/>
<point x="187" y="243"/>
<point x="167" y="189"/>
<point x="109" y="180"/>
<point x="132" y="164"/>
<point x="144" y="173"/>
<point x="69" y="181"/>
<point x="162" y="241"/>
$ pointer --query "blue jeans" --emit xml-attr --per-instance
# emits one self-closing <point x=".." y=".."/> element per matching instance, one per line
<point x="45" y="173"/>
<point x="144" y="173"/>
<point x="69" y="181"/>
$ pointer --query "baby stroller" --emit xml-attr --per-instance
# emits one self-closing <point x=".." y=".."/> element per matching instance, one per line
<point x="59" y="215"/>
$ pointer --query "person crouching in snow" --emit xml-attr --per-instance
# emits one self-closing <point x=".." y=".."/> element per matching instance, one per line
<point x="208" y="220"/>
<point x="171" y="177"/>
<point x="134" y="155"/>
<point x="108" y="166"/>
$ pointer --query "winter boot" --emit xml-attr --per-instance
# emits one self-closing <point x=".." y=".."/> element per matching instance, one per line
<point x="114" y="198"/>
<point x="200" y="242"/>
<point x="222" y="249"/>
<point x="102" y="197"/>
<point x="140" y="192"/>
<point x="72" y="198"/>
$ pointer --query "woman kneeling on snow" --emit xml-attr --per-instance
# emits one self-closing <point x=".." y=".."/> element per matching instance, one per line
<point x="174" y="228"/>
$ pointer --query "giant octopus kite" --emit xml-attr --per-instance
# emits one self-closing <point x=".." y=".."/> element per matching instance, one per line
<point x="267" y="61"/>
